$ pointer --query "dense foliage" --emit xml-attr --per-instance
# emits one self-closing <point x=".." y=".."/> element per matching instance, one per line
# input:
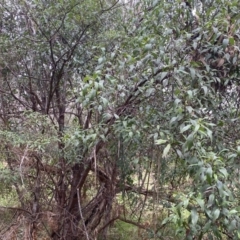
<point x="113" y="111"/>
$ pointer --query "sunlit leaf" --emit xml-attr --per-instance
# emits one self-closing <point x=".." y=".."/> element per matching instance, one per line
<point x="166" y="150"/>
<point x="160" y="141"/>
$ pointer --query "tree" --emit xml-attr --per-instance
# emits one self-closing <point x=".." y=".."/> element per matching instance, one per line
<point x="96" y="95"/>
<point x="52" y="51"/>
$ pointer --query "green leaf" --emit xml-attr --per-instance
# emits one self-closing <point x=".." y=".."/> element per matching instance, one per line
<point x="148" y="46"/>
<point x="238" y="234"/>
<point x="197" y="126"/>
<point x="194" y="45"/>
<point x="224" y="172"/>
<point x="160" y="141"/>
<point x="185" y="203"/>
<point x="179" y="153"/>
<point x="163" y="75"/>
<point x="209" y="171"/>
<point x="150" y="91"/>
<point x="209" y="133"/>
<point x="173" y="120"/>
<point x="211" y="199"/>
<point x="155" y="2"/>
<point x="166" y="220"/>
<point x="185" y="128"/>
<point x="200" y="203"/>
<point x="116" y="116"/>
<point x="194" y="216"/>
<point x="233" y="225"/>
<point x="215" y="214"/>
<point x="233" y="211"/>
<point x="189" y="142"/>
<point x="192" y="73"/>
<point x="238" y="150"/>
<point x="100" y="60"/>
<point x="190" y="109"/>
<point x="105" y="101"/>
<point x="225" y="42"/>
<point x="205" y="89"/>
<point x="166" y="150"/>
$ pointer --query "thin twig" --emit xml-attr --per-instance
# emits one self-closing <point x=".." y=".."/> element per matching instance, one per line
<point x="81" y="215"/>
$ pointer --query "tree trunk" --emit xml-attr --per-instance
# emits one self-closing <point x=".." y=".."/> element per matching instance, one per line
<point x="81" y="222"/>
